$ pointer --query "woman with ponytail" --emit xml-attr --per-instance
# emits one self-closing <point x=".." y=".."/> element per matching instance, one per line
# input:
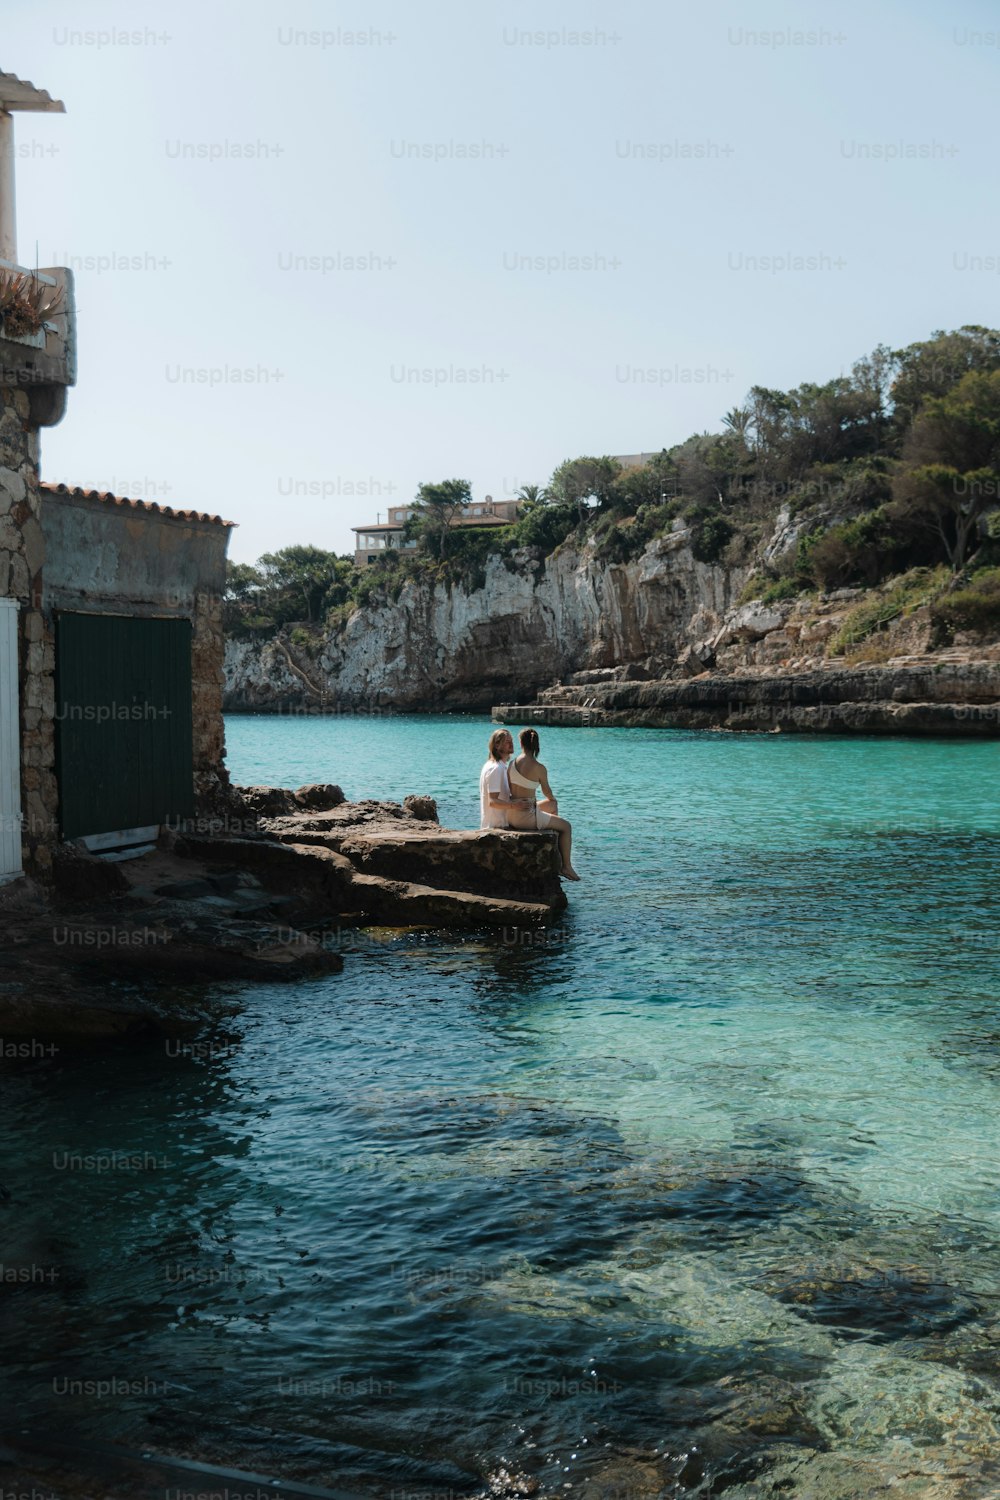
<point x="527" y="777"/>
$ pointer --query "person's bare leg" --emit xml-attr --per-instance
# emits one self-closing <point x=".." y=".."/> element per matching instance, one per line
<point x="565" y="832"/>
<point x="565" y="848"/>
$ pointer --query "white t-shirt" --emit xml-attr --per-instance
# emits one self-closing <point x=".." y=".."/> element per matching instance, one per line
<point x="492" y="778"/>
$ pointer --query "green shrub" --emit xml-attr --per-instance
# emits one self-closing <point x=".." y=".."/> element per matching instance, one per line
<point x="710" y="533"/>
<point x="913" y="589"/>
<point x="469" y="551"/>
<point x="769" y="589"/>
<point x="782" y="588"/>
<point x="975" y="607"/>
<point x="861" y="551"/>
<point x="302" y="638"/>
<point x="338" y="616"/>
<point x="611" y="542"/>
<point x="800" y="565"/>
<point x="545" y="526"/>
<point x="368" y="583"/>
<point x="754" y="588"/>
<point x="620" y="539"/>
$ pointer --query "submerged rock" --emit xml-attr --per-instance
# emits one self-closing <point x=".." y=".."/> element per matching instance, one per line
<point x="874" y="1302"/>
<point x="503" y="1484"/>
<point x="802" y="1475"/>
<point x="764" y="1405"/>
<point x="872" y="1401"/>
<point x="141" y="956"/>
<point x="633" y="1478"/>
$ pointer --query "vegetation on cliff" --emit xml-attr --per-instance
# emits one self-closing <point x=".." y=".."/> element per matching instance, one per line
<point x="892" y="468"/>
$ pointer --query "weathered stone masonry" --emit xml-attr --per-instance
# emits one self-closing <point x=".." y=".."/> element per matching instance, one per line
<point x="22" y="556"/>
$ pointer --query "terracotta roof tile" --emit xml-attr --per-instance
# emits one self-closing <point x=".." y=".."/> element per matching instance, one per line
<point x="144" y="505"/>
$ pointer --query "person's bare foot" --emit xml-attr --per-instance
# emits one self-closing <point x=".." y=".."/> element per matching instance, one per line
<point x="570" y="875"/>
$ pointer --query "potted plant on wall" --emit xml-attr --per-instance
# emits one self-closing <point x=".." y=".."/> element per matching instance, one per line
<point x="26" y="302"/>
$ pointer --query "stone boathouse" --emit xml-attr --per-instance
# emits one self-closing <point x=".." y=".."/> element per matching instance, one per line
<point x="111" y="642"/>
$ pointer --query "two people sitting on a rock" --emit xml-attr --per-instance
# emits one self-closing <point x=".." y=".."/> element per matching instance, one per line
<point x="508" y="795"/>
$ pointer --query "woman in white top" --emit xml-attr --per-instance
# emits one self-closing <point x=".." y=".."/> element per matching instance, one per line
<point x="495" y="801"/>
<point x="527" y="776"/>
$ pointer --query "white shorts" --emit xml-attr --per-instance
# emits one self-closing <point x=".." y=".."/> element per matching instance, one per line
<point x="542" y="819"/>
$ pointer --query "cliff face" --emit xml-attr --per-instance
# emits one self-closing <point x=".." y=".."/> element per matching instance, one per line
<point x="597" y="627"/>
<point x="451" y="647"/>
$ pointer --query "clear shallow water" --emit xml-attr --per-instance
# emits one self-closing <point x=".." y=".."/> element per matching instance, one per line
<point x="711" y="1174"/>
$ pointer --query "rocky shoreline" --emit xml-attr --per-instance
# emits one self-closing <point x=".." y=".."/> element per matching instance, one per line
<point x="271" y="889"/>
<point x="388" y="863"/>
<point x="661" y="639"/>
<point x="929" y="696"/>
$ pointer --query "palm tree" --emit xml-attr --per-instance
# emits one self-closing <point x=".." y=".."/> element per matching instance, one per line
<point x="739" y="421"/>
<point x="533" y="494"/>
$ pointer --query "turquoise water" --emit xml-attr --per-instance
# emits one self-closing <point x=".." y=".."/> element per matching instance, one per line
<point x="702" y="1177"/>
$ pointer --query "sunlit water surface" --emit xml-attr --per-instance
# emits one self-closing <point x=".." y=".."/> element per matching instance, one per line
<point x="708" y="1176"/>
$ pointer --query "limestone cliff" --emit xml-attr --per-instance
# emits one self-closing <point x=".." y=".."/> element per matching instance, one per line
<point x="529" y="624"/>
<point x="592" y="624"/>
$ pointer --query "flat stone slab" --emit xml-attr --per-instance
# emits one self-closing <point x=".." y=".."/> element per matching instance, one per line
<point x="390" y="863"/>
<point x="414" y="905"/>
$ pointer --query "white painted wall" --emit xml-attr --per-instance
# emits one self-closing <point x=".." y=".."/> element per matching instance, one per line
<point x="10" y="759"/>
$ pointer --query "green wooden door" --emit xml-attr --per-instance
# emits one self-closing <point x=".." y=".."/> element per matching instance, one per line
<point x="123" y="722"/>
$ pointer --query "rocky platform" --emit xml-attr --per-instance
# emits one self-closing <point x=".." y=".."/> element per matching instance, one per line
<point x="908" y="696"/>
<point x="267" y="891"/>
<point x="385" y="862"/>
<point x="127" y="949"/>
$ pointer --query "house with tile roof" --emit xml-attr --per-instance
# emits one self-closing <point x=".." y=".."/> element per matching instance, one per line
<point x="377" y="537"/>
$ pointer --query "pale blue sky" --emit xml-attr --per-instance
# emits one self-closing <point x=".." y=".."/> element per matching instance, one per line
<point x="758" y="143"/>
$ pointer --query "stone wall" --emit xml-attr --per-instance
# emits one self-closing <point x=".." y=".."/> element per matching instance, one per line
<point x="34" y="376"/>
<point x="22" y="556"/>
<point x="208" y="648"/>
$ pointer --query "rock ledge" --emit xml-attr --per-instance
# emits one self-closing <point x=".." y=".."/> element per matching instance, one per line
<point x="385" y="862"/>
